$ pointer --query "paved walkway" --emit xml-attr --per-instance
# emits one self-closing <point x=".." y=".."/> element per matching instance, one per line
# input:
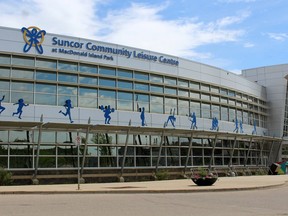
<point x="170" y="186"/>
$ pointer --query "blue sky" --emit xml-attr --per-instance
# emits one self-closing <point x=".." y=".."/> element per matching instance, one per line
<point x="230" y="34"/>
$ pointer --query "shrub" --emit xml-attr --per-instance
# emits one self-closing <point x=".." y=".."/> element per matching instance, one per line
<point x="5" y="177"/>
<point x="162" y="175"/>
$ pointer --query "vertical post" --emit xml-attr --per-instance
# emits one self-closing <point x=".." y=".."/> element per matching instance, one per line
<point x="124" y="155"/>
<point x="248" y="152"/>
<point x="160" y="150"/>
<point x="188" y="153"/>
<point x="212" y="161"/>
<point x="35" y="181"/>
<point x="232" y="153"/>
<point x="85" y="148"/>
<point x="78" y="163"/>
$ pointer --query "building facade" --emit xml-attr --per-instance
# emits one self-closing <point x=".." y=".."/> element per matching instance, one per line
<point x="128" y="109"/>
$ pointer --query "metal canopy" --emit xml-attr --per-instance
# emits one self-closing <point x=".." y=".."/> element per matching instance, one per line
<point x="65" y="126"/>
<point x="19" y="125"/>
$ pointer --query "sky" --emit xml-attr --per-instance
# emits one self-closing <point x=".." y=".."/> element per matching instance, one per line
<point x="229" y="34"/>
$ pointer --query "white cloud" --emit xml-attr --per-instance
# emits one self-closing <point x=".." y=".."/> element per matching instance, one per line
<point x="139" y="25"/>
<point x="249" y="45"/>
<point x="278" y="36"/>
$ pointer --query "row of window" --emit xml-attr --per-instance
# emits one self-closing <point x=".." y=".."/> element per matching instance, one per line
<point x="94" y="69"/>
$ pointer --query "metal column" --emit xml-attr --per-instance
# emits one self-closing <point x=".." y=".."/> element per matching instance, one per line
<point x="212" y="154"/>
<point x="188" y="153"/>
<point x="160" y="150"/>
<point x="124" y="156"/>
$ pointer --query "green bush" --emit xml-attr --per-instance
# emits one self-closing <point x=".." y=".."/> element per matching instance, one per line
<point x="162" y="175"/>
<point x="5" y="177"/>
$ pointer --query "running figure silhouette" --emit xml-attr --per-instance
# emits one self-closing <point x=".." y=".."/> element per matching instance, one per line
<point x="68" y="106"/>
<point x="171" y="118"/>
<point x="1" y="107"/>
<point x="21" y="104"/>
<point x="192" y="118"/>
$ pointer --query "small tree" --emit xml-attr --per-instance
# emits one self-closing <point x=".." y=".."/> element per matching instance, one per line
<point x="5" y="177"/>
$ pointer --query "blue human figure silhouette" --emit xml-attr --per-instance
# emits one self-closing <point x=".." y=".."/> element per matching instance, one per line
<point x="214" y="124"/>
<point x="241" y="126"/>
<point x="21" y="104"/>
<point x="254" y="128"/>
<point x="192" y="118"/>
<point x="236" y="126"/>
<point x="142" y="117"/>
<point x="68" y="107"/>
<point x="107" y="111"/>
<point x="171" y="118"/>
<point x="1" y="107"/>
<point x="34" y="35"/>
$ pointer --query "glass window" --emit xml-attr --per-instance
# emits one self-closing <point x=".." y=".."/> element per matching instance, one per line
<point x="69" y="66"/>
<point x="106" y="98"/>
<point x="205" y="87"/>
<point x="245" y="105"/>
<point x="238" y="95"/>
<point x="215" y="98"/>
<point x="205" y="110"/>
<point x="125" y="101"/>
<point x="214" y="89"/>
<point x="49" y="89"/>
<point x="194" y="85"/>
<point x="45" y="94"/>
<point x="88" y="97"/>
<point x="107" y="82"/>
<point x="215" y="111"/>
<point x="140" y="76"/>
<point x="231" y="114"/>
<point x="5" y="59"/>
<point x="195" y="95"/>
<point x="183" y="107"/>
<point x="170" y="81"/>
<point x="125" y="73"/>
<point x="88" y="68"/>
<point x="25" y="61"/>
<point x="156" y="104"/>
<point x="171" y="91"/>
<point x="44" y="63"/>
<point x="183" y="93"/>
<point x="88" y="80"/>
<point x="231" y="93"/>
<point x="43" y="75"/>
<point x="4" y="72"/>
<point x="224" y="113"/>
<point x="232" y="102"/>
<point x="183" y="83"/>
<point x="170" y="104"/>
<point x="24" y="74"/>
<point x="205" y="97"/>
<point x="65" y="93"/>
<point x="224" y="100"/>
<point x="107" y="71"/>
<point x="4" y="86"/>
<point x="245" y="117"/>
<point x="22" y="90"/>
<point x="154" y="88"/>
<point x="141" y="86"/>
<point x="224" y="92"/>
<point x="125" y="85"/>
<point x="156" y="78"/>
<point x="195" y="107"/>
<point x="141" y="100"/>
<point x="67" y="78"/>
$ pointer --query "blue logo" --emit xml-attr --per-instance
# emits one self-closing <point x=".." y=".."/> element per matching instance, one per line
<point x="33" y="36"/>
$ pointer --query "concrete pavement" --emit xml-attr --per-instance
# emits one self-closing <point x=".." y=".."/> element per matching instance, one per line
<point x="169" y="186"/>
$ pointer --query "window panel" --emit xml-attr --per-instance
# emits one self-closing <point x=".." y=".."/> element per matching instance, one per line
<point x="88" y="68"/>
<point x="107" y="97"/>
<point x="183" y="83"/>
<point x="195" y="95"/>
<point x="88" y="80"/>
<point x="156" y="78"/>
<point x="125" y="85"/>
<point x="205" y="87"/>
<point x="4" y="72"/>
<point x="170" y="91"/>
<point x="224" y="114"/>
<point x="24" y="74"/>
<point x="154" y="88"/>
<point x="67" y="90"/>
<point x="5" y="59"/>
<point x="25" y="61"/>
<point x="26" y="96"/>
<point x="183" y="107"/>
<point x="156" y="104"/>
<point x="183" y="93"/>
<point x="194" y="85"/>
<point x="51" y="89"/>
<point x="141" y="76"/>
<point x="170" y="81"/>
<point x="142" y="87"/>
<point x="43" y="63"/>
<point x="205" y="108"/>
<point x="107" y="82"/>
<point x="43" y="75"/>
<point x="195" y="107"/>
<point x="107" y="71"/>
<point x="45" y="99"/>
<point x="21" y="86"/>
<point x="125" y="73"/>
<point x="67" y="78"/>
<point x="69" y="66"/>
